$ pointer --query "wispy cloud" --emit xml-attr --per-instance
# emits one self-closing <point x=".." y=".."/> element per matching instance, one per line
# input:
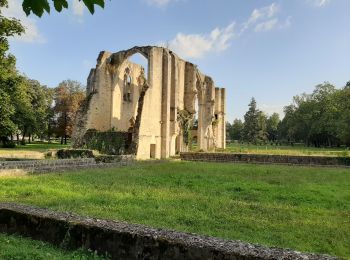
<point x="78" y="7"/>
<point x="160" y="3"/>
<point x="218" y="40"/>
<point x="266" y="19"/>
<point x="198" y="45"/>
<point x="262" y="14"/>
<point x="320" y="3"/>
<point x="32" y="33"/>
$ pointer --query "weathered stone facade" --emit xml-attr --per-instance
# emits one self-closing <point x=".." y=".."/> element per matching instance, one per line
<point x="148" y="104"/>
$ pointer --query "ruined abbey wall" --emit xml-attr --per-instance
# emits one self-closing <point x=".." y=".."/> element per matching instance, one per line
<point x="172" y="87"/>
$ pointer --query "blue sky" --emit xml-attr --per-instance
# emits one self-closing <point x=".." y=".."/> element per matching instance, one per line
<point x="271" y="50"/>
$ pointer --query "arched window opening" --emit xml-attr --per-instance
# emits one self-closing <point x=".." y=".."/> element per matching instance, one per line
<point x="127" y="85"/>
<point x="139" y="59"/>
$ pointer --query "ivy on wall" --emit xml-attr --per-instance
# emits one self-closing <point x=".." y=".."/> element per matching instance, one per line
<point x="186" y="121"/>
<point x="110" y="142"/>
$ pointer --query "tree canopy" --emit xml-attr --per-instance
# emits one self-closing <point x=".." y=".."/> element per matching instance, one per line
<point x="38" y="7"/>
<point x="321" y="118"/>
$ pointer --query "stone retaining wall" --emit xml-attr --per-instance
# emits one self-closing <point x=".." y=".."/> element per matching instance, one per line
<point x="130" y="241"/>
<point x="263" y="158"/>
<point x="42" y="166"/>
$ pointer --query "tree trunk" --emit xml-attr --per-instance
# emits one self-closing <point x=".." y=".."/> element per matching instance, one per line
<point x="29" y="138"/>
<point x="62" y="139"/>
<point x="17" y="139"/>
<point x="65" y="139"/>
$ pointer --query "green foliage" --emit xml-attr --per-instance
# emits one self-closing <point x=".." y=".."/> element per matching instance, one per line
<point x="110" y="142"/>
<point x="186" y="121"/>
<point x="303" y="208"/>
<point x="319" y="119"/>
<point x="9" y="144"/>
<point x="273" y="124"/>
<point x="251" y="123"/>
<point x="38" y="7"/>
<point x="74" y="153"/>
<point x="236" y="130"/>
<point x="16" y="247"/>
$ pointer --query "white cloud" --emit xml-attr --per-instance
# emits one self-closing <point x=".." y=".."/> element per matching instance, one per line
<point x="32" y="33"/>
<point x="320" y="3"/>
<point x="218" y="40"/>
<point x="266" y="19"/>
<point x="78" y="8"/>
<point x="262" y="14"/>
<point x="266" y="26"/>
<point x="159" y="3"/>
<point x="198" y="45"/>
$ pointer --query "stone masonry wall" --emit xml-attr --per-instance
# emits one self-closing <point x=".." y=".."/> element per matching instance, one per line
<point x="130" y="241"/>
<point x="43" y="166"/>
<point x="262" y="158"/>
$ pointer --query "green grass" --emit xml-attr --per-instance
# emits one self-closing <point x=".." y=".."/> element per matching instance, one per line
<point x="286" y="150"/>
<point x="34" y="150"/>
<point x="15" y="247"/>
<point x="37" y="146"/>
<point x="306" y="209"/>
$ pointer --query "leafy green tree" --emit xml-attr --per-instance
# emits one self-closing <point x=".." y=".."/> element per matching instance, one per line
<point x="236" y="131"/>
<point x="7" y="127"/>
<point x="251" y="123"/>
<point x="262" y="136"/>
<point x="38" y="7"/>
<point x="8" y="73"/>
<point x="343" y="123"/>
<point x="24" y="116"/>
<point x="273" y="123"/>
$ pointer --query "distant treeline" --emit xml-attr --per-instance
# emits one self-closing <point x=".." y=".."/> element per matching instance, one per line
<point x="320" y="119"/>
<point x="28" y="109"/>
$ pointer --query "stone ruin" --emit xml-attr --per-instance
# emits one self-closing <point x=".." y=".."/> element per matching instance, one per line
<point x="162" y="109"/>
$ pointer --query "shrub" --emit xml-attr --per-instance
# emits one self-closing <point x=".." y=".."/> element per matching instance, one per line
<point x="9" y="144"/>
<point x="74" y="153"/>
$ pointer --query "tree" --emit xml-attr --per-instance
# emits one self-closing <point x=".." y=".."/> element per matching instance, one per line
<point x="236" y="131"/>
<point x="68" y="97"/>
<point x="343" y="123"/>
<point x="7" y="127"/>
<point x="38" y="7"/>
<point x="251" y="123"/>
<point x="273" y="123"/>
<point x="262" y="132"/>
<point x="8" y="73"/>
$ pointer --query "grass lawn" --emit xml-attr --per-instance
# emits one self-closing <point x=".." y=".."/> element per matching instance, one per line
<point x="30" y="151"/>
<point x="14" y="247"/>
<point x="286" y="150"/>
<point x="306" y="209"/>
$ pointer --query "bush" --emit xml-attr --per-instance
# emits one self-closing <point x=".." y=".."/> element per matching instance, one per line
<point x="74" y="153"/>
<point x="9" y="144"/>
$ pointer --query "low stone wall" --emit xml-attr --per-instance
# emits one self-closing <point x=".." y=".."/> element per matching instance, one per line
<point x="42" y="166"/>
<point x="262" y="158"/>
<point x="130" y="241"/>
